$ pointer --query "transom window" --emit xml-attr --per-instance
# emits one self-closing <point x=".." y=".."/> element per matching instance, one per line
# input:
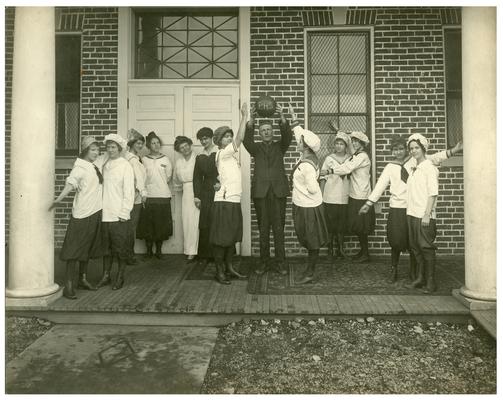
<point x="338" y="83"/>
<point x="187" y="44"/>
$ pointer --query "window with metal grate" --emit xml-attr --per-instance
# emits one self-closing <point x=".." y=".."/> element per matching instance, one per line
<point x="338" y="83"/>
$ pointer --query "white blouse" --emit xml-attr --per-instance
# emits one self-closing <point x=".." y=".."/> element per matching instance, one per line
<point x="229" y="174"/>
<point x="84" y="180"/>
<point x="118" y="190"/>
<point x="140" y="176"/>
<point x="359" y="168"/>
<point x="336" y="189"/>
<point x="159" y="172"/>
<point x="184" y="169"/>
<point x="306" y="190"/>
<point x="422" y="184"/>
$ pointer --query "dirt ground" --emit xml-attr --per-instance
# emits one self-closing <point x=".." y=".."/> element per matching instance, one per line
<point x="351" y="357"/>
<point x="21" y="332"/>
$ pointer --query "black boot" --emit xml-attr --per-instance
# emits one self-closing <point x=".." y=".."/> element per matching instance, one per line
<point x="158" y="249"/>
<point x="340" y="253"/>
<point x="261" y="268"/>
<point x="150" y="253"/>
<point x="68" y="291"/>
<point x="419" y="281"/>
<point x="393" y="274"/>
<point x="229" y="265"/>
<point x="220" y="276"/>
<point x="331" y="256"/>
<point x="431" y="285"/>
<point x="412" y="267"/>
<point x="395" y="259"/>
<point x="119" y="281"/>
<point x="107" y="267"/>
<point x="308" y="275"/>
<point x="83" y="282"/>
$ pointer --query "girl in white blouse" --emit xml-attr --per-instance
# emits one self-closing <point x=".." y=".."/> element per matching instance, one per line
<point x="83" y="234"/>
<point x="227" y="219"/>
<point x="335" y="190"/>
<point x="156" y="222"/>
<point x="358" y="165"/>
<point x="135" y="145"/>
<point x="184" y="173"/>
<point x="307" y="199"/>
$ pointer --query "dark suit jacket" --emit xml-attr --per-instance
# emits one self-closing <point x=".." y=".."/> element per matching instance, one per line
<point x="269" y="163"/>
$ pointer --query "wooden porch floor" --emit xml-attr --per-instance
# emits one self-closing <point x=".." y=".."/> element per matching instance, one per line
<point x="161" y="287"/>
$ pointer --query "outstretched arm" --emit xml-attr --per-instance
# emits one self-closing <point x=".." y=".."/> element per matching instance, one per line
<point x="66" y="190"/>
<point x="242" y="125"/>
<point x="249" y="141"/>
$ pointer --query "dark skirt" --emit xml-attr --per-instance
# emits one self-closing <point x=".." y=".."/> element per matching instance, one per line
<point x="397" y="230"/>
<point x="360" y="224"/>
<point x="310" y="226"/>
<point x="116" y="239"/>
<point x="226" y="224"/>
<point x="336" y="216"/>
<point x="83" y="239"/>
<point x="156" y="222"/>
<point x="206" y="208"/>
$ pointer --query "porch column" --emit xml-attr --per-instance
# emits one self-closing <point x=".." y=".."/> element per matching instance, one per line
<point x="479" y="139"/>
<point x="31" y="232"/>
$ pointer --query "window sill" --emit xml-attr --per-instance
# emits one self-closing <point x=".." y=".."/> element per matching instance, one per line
<point x="65" y="162"/>
<point x="455" y="161"/>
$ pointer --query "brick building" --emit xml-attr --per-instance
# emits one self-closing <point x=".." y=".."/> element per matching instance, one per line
<point x="384" y="70"/>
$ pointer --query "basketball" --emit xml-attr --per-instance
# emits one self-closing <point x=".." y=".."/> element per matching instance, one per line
<point x="265" y="106"/>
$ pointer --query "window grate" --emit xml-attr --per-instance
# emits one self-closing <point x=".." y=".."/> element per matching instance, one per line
<point x="338" y="83"/>
<point x="172" y="46"/>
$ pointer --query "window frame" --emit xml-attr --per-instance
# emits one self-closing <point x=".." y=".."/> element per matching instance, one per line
<point x="344" y="28"/>
<point x="457" y="159"/>
<point x="64" y="157"/>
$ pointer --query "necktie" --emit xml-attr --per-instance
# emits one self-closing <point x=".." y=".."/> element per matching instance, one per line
<point x="100" y="176"/>
<point x="404" y="175"/>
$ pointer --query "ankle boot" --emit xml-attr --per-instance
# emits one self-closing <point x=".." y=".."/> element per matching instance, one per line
<point x="119" y="282"/>
<point x="412" y="267"/>
<point x="419" y="281"/>
<point x="158" y="250"/>
<point x="308" y="275"/>
<point x="232" y="272"/>
<point x="107" y="267"/>
<point x="431" y="285"/>
<point x="331" y="255"/>
<point x="220" y="276"/>
<point x="69" y="291"/>
<point x="150" y="253"/>
<point x="394" y="274"/>
<point x="84" y="283"/>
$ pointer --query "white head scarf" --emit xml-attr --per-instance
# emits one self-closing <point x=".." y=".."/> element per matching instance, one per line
<point x="310" y="138"/>
<point x="117" y="139"/>
<point x="420" y="138"/>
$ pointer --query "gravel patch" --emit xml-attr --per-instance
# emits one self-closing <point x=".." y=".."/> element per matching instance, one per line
<point x="358" y="356"/>
<point x="21" y="332"/>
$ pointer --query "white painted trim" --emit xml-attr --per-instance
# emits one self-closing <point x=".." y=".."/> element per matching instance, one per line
<point x="372" y="83"/>
<point x="244" y="86"/>
<point x="123" y="70"/>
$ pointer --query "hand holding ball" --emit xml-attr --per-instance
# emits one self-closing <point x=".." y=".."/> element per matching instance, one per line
<point x="265" y="106"/>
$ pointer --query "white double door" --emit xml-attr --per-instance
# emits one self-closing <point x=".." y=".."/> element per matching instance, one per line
<point x="173" y="109"/>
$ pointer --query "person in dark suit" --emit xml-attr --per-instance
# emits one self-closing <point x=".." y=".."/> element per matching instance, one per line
<point x="269" y="186"/>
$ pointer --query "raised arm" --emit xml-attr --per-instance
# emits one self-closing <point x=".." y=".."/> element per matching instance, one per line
<point x="249" y="141"/>
<point x="242" y="126"/>
<point x="285" y="130"/>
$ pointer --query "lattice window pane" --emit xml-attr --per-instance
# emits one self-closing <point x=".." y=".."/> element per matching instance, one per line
<point x="324" y="90"/>
<point x="353" y="123"/>
<point x="165" y="41"/>
<point x="353" y="94"/>
<point x="353" y="54"/>
<point x="321" y="123"/>
<point x="326" y="45"/>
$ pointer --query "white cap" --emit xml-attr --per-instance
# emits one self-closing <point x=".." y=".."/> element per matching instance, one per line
<point x="310" y="138"/>
<point x="117" y="139"/>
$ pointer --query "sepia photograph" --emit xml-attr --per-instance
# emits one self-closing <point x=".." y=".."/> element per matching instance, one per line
<point x="278" y="198"/>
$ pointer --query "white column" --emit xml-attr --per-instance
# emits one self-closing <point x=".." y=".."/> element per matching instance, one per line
<point x="479" y="140"/>
<point x="31" y="233"/>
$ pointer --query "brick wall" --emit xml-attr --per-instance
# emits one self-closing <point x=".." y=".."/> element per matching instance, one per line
<point x="9" y="50"/>
<point x="99" y="27"/>
<point x="409" y="95"/>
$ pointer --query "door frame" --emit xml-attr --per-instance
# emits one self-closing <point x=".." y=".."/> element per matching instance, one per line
<point x="125" y="68"/>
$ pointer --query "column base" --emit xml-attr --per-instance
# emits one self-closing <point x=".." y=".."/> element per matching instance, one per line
<point x="13" y="302"/>
<point x="471" y="302"/>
